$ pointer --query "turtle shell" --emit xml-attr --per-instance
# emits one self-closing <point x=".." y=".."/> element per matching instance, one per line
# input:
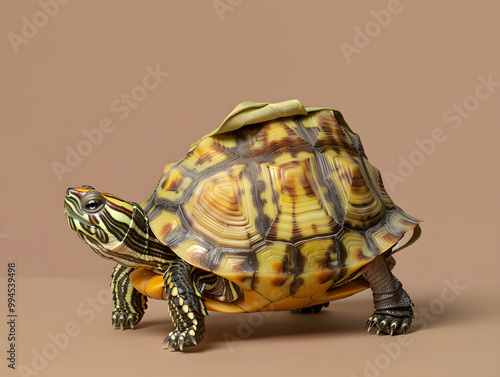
<point x="282" y="201"/>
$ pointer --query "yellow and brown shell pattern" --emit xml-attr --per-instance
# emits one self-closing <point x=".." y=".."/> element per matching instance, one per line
<point x="289" y="210"/>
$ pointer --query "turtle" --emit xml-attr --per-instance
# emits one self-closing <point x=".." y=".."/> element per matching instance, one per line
<point x="277" y="209"/>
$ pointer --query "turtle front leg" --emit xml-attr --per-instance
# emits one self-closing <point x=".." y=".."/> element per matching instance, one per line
<point x="130" y="305"/>
<point x="186" y="307"/>
<point x="393" y="306"/>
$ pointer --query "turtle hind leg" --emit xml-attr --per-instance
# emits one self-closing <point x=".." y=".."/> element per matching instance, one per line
<point x="186" y="307"/>
<point x="393" y="307"/>
<point x="311" y="309"/>
<point x="130" y="305"/>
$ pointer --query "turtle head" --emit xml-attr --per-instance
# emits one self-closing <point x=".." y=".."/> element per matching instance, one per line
<point x="106" y="223"/>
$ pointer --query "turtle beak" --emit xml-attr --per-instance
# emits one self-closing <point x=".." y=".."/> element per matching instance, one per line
<point x="72" y="198"/>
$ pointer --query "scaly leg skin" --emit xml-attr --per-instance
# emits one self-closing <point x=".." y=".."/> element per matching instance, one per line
<point x="186" y="307"/>
<point x="393" y="306"/>
<point x="130" y="305"/>
<point x="311" y="309"/>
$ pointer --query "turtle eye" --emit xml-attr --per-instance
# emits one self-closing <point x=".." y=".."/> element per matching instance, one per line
<point x="93" y="202"/>
<point x="92" y="205"/>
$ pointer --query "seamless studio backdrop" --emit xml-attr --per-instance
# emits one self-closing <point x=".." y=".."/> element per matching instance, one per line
<point x="107" y="93"/>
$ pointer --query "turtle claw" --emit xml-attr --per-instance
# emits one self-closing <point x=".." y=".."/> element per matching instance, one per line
<point x="168" y="343"/>
<point x="371" y="322"/>
<point x="131" y="323"/>
<point x="122" y="321"/>
<point x="193" y="340"/>
<point x="389" y="324"/>
<point x="394" y="326"/>
<point x="405" y="326"/>
<point x="381" y="326"/>
<point x="181" y="343"/>
<point x="177" y="340"/>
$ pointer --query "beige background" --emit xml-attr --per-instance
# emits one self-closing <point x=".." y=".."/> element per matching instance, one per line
<point x="405" y="83"/>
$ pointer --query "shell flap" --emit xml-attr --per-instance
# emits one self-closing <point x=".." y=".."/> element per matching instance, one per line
<point x="256" y="112"/>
